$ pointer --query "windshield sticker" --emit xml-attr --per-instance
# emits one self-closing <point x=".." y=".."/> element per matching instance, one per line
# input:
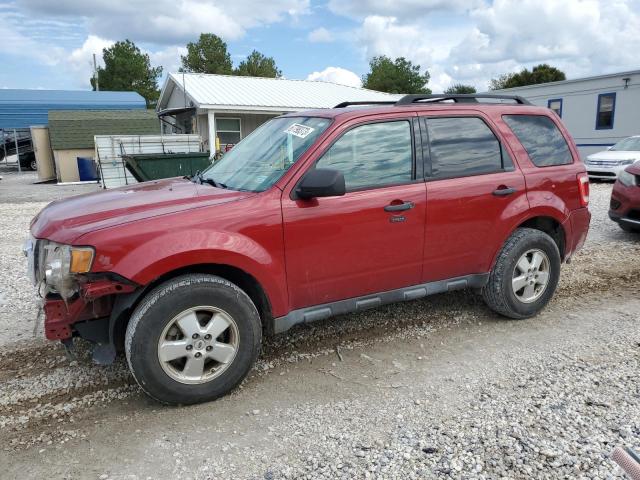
<point x="300" y="131"/>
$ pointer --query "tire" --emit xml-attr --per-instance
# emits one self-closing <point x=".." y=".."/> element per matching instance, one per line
<point x="33" y="165"/>
<point x="157" y="330"/>
<point x="499" y="293"/>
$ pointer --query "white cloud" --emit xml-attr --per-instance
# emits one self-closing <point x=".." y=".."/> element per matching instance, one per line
<point x="169" y="22"/>
<point x="386" y="36"/>
<point x="15" y="42"/>
<point x="80" y="60"/>
<point x="581" y="37"/>
<point x="169" y="58"/>
<point x="320" y="35"/>
<point x="337" y="75"/>
<point x="405" y="9"/>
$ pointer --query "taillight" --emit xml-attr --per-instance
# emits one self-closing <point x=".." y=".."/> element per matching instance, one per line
<point x="583" y="187"/>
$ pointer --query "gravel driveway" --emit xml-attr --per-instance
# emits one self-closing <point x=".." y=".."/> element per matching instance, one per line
<point x="436" y="388"/>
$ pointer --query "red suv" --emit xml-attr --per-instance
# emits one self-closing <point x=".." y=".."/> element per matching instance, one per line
<point x="314" y="214"/>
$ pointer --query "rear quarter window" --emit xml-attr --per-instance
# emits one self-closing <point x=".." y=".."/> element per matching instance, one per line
<point x="541" y="139"/>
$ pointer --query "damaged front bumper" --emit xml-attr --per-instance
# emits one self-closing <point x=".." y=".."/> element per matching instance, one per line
<point x="87" y="314"/>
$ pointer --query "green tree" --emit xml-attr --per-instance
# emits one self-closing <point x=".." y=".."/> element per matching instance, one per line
<point x="126" y="68"/>
<point x="542" y="73"/>
<point x="257" y="65"/>
<point x="399" y="76"/>
<point x="208" y="55"/>
<point x="458" y="88"/>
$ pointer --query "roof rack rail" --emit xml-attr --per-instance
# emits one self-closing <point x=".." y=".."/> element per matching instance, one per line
<point x="458" y="98"/>
<point x="375" y="102"/>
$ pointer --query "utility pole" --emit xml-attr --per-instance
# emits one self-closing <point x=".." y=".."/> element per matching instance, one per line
<point x="15" y="141"/>
<point x="95" y="73"/>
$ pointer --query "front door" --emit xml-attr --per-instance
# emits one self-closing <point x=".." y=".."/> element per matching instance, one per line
<point x="369" y="240"/>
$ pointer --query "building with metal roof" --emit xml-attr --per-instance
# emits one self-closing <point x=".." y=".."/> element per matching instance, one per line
<point x="230" y="107"/>
<point x="25" y="108"/>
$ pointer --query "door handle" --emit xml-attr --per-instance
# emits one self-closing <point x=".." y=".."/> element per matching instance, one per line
<point x="504" y="191"/>
<point x="399" y="207"/>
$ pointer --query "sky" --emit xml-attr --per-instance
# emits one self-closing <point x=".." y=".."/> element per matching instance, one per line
<point x="49" y="44"/>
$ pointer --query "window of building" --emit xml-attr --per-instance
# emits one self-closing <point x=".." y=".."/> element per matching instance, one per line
<point x="606" y="111"/>
<point x="372" y="155"/>
<point x="228" y="130"/>
<point x="464" y="146"/>
<point x="541" y="139"/>
<point x="556" y="105"/>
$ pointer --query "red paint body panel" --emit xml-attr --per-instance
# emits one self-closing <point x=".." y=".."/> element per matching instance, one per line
<point x="467" y="224"/>
<point x="343" y="247"/>
<point x="246" y="234"/>
<point x="305" y="253"/>
<point x="94" y="301"/>
<point x="626" y="200"/>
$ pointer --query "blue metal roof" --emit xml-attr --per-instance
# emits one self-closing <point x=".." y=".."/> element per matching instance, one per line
<point x="24" y="108"/>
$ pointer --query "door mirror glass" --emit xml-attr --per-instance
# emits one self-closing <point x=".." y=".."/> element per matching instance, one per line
<point x="321" y="182"/>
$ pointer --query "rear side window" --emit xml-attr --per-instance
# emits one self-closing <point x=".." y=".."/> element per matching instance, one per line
<point x="541" y="139"/>
<point x="372" y="155"/>
<point x="464" y="146"/>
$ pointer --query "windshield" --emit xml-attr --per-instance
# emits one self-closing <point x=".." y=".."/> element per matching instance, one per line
<point x="631" y="144"/>
<point x="260" y="160"/>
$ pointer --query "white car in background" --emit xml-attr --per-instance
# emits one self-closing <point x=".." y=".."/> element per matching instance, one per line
<point x="609" y="163"/>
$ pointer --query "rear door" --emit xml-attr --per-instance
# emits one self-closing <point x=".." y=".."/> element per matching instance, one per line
<point x="371" y="239"/>
<point x="474" y="191"/>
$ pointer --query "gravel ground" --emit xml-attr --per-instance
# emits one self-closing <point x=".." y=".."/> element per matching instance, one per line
<point x="437" y="388"/>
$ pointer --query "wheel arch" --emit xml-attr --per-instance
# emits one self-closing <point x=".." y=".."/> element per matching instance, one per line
<point x="125" y="304"/>
<point x="544" y="222"/>
<point x="551" y="227"/>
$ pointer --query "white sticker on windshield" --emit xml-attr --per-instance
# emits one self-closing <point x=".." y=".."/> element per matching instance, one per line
<point x="298" y="130"/>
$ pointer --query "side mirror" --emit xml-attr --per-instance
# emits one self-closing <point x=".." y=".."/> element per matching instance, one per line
<point x="321" y="182"/>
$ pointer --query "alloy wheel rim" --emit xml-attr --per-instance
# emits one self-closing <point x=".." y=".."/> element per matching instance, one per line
<point x="531" y="276"/>
<point x="198" y="344"/>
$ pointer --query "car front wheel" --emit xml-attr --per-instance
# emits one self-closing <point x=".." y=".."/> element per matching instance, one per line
<point x="193" y="339"/>
<point x="525" y="275"/>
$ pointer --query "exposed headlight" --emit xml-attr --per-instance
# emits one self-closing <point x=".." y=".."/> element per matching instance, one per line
<point x="626" y="162"/>
<point x="627" y="179"/>
<point x="61" y="263"/>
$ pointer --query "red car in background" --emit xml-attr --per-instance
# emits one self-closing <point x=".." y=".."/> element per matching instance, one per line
<point x="625" y="199"/>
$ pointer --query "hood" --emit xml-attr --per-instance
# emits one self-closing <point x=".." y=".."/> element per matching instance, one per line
<point x="65" y="220"/>
<point x="614" y="155"/>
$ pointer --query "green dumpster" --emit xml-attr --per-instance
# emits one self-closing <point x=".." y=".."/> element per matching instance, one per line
<point x="152" y="166"/>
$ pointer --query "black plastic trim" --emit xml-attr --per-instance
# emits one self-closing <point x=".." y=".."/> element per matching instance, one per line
<point x="326" y="310"/>
<point x="629" y="222"/>
<point x="458" y="98"/>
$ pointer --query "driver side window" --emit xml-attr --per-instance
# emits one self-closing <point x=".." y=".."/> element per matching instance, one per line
<point x="372" y="155"/>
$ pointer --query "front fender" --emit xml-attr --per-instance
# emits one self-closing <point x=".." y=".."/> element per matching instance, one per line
<point x="173" y="250"/>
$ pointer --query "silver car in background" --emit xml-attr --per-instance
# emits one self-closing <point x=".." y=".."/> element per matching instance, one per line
<point x="608" y="164"/>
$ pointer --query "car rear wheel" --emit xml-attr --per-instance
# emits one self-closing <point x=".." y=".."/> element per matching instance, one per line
<point x="193" y="339"/>
<point x="525" y="275"/>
